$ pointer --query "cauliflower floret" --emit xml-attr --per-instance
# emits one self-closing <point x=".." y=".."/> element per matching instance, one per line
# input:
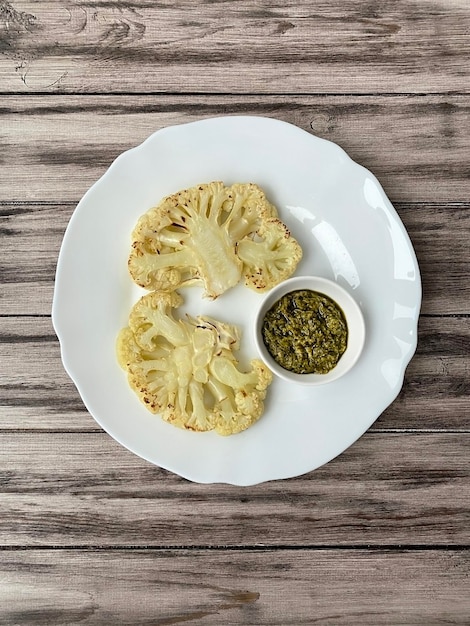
<point x="186" y="369"/>
<point x="240" y="395"/>
<point x="268" y="262"/>
<point x="212" y="235"/>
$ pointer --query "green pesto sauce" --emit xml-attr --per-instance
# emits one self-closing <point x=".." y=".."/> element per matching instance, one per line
<point x="305" y="332"/>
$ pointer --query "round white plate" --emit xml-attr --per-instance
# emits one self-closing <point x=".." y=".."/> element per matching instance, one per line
<point x="349" y="232"/>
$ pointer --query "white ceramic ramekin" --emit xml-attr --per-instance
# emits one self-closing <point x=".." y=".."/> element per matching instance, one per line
<point x="354" y="320"/>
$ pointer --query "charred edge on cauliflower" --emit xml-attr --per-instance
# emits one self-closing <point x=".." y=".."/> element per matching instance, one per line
<point x="186" y="369"/>
<point x="212" y="235"/>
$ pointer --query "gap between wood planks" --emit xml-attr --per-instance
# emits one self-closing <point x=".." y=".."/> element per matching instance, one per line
<point x="235" y="94"/>
<point x="243" y="548"/>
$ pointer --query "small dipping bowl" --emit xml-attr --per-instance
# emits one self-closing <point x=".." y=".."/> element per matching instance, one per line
<point x="352" y="314"/>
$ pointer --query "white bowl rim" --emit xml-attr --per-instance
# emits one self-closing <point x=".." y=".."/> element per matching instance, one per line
<point x="354" y="319"/>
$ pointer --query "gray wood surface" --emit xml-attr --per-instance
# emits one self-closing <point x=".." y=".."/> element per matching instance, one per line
<point x="92" y="534"/>
<point x="168" y="587"/>
<point x="387" y="489"/>
<point x="327" y="46"/>
<point x="55" y="147"/>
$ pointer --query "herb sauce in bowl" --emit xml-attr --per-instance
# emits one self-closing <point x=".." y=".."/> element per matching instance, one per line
<point x="305" y="332"/>
<point x="309" y="330"/>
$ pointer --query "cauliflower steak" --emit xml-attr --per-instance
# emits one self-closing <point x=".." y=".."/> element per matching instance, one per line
<point x="186" y="370"/>
<point x="213" y="235"/>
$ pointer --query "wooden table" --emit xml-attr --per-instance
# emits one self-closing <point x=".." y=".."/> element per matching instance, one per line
<point x="90" y="533"/>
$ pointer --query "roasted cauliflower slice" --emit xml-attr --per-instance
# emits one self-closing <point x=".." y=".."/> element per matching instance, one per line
<point x="212" y="235"/>
<point x="186" y="370"/>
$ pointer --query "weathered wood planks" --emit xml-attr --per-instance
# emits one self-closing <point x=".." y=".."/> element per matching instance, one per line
<point x="69" y="489"/>
<point x="90" y="533"/>
<point x="237" y="47"/>
<point x="440" y="237"/>
<point x="168" y="587"/>
<point x="54" y="148"/>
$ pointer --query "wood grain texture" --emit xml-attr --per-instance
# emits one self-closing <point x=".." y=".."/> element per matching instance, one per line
<point x="436" y="392"/>
<point x="237" y="47"/>
<point x="90" y="533"/>
<point x="54" y="148"/>
<point x="70" y="489"/>
<point x="287" y="588"/>
<point x="440" y="237"/>
<point x="36" y="393"/>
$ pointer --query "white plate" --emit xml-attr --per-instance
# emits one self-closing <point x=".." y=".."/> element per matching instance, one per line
<point x="349" y="232"/>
